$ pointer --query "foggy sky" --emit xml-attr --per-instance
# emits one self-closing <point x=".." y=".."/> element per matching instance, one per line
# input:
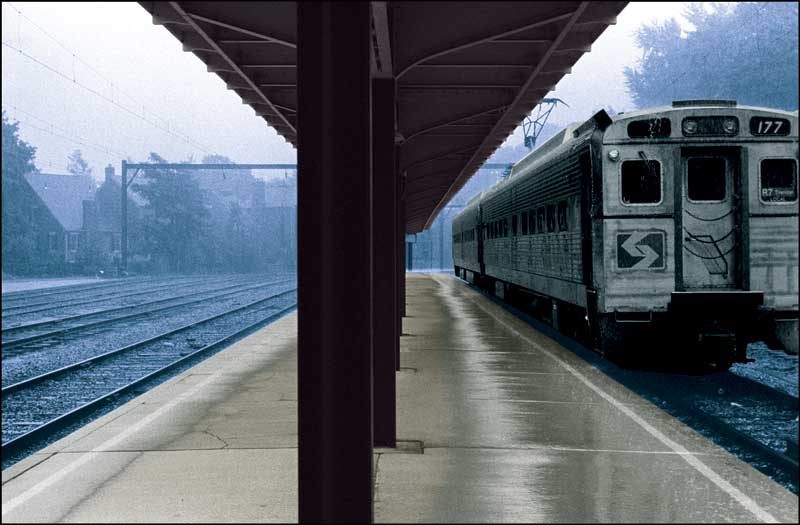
<point x="173" y="89"/>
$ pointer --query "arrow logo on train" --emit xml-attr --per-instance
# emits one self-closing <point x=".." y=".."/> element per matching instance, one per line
<point x="634" y="249"/>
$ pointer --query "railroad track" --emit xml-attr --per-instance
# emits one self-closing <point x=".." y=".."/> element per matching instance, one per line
<point x="43" y="306"/>
<point x="23" y="295"/>
<point x="748" y="417"/>
<point x="35" y="409"/>
<point x="11" y="326"/>
<point x="16" y="339"/>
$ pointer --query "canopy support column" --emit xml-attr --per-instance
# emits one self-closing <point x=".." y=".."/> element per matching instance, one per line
<point x="384" y="260"/>
<point x="334" y="262"/>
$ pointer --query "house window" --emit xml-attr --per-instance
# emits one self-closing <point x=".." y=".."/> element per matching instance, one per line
<point x="532" y="221"/>
<point x="514" y="225"/>
<point x="540" y="220"/>
<point x="72" y="241"/>
<point x="51" y="241"/>
<point x="524" y="222"/>
<point x="551" y="217"/>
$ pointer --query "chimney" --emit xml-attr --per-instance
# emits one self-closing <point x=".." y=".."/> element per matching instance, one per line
<point x="109" y="174"/>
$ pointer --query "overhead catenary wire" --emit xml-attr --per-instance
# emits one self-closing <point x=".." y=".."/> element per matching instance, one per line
<point x="106" y="98"/>
<point x="75" y="56"/>
<point x="126" y="136"/>
<point x="74" y="140"/>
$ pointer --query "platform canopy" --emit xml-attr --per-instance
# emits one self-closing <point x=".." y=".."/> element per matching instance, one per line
<point x="467" y="73"/>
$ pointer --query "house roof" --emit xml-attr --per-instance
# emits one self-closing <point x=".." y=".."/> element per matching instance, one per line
<point x="64" y="195"/>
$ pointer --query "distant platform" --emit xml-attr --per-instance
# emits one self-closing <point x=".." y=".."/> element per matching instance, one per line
<point x="496" y="423"/>
<point x="20" y="285"/>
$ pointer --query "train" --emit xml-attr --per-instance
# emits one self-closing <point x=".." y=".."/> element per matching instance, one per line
<point x="667" y="234"/>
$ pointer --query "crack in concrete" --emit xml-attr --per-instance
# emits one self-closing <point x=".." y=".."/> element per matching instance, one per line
<point x="208" y="431"/>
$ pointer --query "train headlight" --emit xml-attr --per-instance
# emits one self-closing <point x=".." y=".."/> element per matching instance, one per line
<point x="613" y="155"/>
<point x="689" y="126"/>
<point x="729" y="125"/>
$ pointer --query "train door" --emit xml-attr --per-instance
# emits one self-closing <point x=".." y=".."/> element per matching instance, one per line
<point x="710" y="216"/>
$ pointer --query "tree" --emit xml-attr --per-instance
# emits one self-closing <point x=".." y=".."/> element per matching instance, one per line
<point x="744" y="51"/>
<point x="174" y="225"/>
<point x="19" y="239"/>
<point x="77" y="165"/>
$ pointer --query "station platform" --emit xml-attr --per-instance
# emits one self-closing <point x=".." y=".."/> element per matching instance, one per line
<point x="496" y="422"/>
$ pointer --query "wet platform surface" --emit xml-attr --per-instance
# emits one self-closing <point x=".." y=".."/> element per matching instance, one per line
<point x="496" y="422"/>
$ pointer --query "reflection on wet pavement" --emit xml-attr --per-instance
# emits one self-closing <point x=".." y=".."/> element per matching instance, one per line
<point x="511" y="434"/>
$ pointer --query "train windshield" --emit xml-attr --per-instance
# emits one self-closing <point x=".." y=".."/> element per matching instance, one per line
<point x="778" y="180"/>
<point x="641" y="182"/>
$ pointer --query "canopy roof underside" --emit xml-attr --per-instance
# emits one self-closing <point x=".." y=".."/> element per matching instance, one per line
<point x="467" y="73"/>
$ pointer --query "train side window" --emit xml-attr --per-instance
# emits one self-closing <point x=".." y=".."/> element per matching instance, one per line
<point x="540" y="220"/>
<point x="778" y="180"/>
<point x="524" y="222"/>
<point x="551" y="217"/>
<point x="514" y="225"/>
<point x="705" y="179"/>
<point x="641" y="182"/>
<point x="562" y="216"/>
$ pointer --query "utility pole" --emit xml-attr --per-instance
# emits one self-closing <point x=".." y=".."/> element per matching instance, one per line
<point x="123" y="238"/>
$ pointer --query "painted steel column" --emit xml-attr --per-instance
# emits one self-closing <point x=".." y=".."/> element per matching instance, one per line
<point x="334" y="262"/>
<point x="123" y="234"/>
<point x="401" y="259"/>
<point x="384" y="301"/>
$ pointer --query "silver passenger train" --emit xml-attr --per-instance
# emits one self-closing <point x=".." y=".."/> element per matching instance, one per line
<point x="674" y="225"/>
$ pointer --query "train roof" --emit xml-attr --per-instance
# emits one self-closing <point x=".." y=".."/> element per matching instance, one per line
<point x="567" y="138"/>
<point x="682" y="105"/>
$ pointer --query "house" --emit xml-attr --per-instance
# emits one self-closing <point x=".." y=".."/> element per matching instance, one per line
<point x="61" y="198"/>
<point x="102" y="223"/>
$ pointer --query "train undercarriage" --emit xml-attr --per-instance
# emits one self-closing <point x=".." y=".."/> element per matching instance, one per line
<point x="700" y="331"/>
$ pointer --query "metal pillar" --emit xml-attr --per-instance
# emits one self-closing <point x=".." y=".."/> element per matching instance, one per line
<point x="403" y="260"/>
<point x="400" y="261"/>
<point x="334" y="266"/>
<point x="384" y="303"/>
<point x="123" y="236"/>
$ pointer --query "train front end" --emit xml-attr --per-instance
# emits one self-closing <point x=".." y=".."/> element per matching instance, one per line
<point x="699" y="229"/>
